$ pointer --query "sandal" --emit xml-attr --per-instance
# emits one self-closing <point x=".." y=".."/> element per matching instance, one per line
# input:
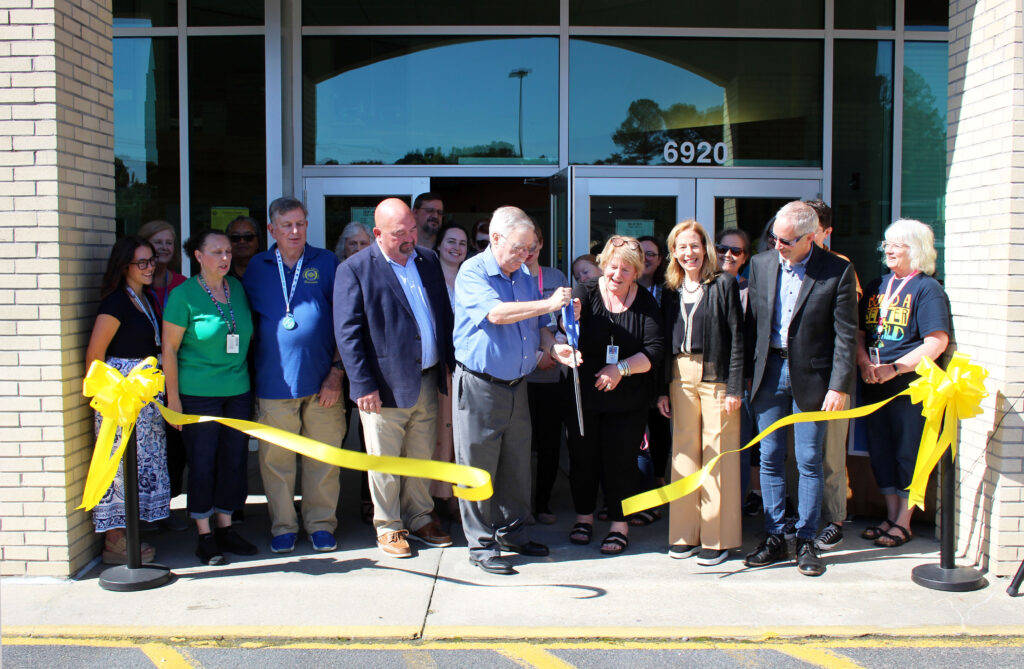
<point x="644" y="518"/>
<point x="873" y="533"/>
<point x="614" y="543"/>
<point x="581" y="533"/>
<point x="890" y="540"/>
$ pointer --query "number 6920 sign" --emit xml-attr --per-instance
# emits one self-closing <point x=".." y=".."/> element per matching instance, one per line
<point x="701" y="153"/>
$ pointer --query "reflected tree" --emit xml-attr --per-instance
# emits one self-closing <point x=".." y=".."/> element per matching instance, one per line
<point x="642" y="135"/>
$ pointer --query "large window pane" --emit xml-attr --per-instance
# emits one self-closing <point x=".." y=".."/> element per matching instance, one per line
<point x="630" y="215"/>
<point x="145" y="13"/>
<point x="430" y="100"/>
<point x="146" y="160"/>
<point x="925" y="77"/>
<point x="862" y="151"/>
<point x="698" y="13"/>
<point x="927" y="15"/>
<point x="865" y="14"/>
<point x="437" y="13"/>
<point x="643" y="101"/>
<point x="227" y="129"/>
<point x="225" y="13"/>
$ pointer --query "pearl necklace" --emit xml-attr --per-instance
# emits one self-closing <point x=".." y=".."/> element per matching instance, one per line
<point x="696" y="289"/>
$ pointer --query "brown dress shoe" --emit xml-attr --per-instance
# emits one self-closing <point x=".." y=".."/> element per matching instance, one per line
<point x="394" y="544"/>
<point x="431" y="535"/>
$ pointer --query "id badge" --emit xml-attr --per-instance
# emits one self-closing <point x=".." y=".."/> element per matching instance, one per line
<point x="875" y="355"/>
<point x="233" y="344"/>
<point x="611" y="355"/>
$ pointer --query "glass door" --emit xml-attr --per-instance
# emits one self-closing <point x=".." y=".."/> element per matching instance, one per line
<point x="748" y="204"/>
<point x="334" y="202"/>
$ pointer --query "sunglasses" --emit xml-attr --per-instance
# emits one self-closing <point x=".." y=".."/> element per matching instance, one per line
<point x="772" y="238"/>
<point x="724" y="248"/>
<point x="241" y="237"/>
<point x="143" y="264"/>
<point x="617" y="241"/>
<point x="481" y="244"/>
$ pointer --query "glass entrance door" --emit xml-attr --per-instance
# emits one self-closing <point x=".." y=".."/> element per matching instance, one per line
<point x="334" y="202"/>
<point x="748" y="204"/>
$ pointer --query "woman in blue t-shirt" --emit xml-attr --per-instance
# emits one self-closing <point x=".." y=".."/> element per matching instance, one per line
<point x="904" y="317"/>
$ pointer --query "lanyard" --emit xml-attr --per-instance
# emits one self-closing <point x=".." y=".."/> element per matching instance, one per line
<point x="295" y="280"/>
<point x="232" y="328"/>
<point x="553" y="319"/>
<point x="890" y="298"/>
<point x="148" y="311"/>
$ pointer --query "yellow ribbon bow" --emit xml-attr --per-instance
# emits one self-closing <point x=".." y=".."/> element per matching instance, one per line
<point x="118" y="399"/>
<point x="946" y="397"/>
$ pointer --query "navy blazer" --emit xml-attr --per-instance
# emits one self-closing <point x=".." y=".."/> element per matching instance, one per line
<point x="376" y="331"/>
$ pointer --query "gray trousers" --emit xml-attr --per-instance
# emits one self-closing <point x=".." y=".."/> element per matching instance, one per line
<point x="492" y="431"/>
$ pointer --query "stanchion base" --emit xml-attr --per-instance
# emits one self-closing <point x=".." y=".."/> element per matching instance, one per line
<point x="146" y="577"/>
<point x="957" y="579"/>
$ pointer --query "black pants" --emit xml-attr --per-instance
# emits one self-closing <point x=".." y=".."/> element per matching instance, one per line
<point x="546" y="400"/>
<point x="659" y="441"/>
<point x="607" y="454"/>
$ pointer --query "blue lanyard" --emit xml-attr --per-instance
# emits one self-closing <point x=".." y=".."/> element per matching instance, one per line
<point x="147" y="310"/>
<point x="295" y="280"/>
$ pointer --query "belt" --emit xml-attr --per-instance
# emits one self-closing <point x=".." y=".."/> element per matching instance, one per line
<point x="781" y="352"/>
<point x="429" y="369"/>
<point x="493" y="379"/>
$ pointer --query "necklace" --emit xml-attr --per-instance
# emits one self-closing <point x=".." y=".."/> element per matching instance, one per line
<point x="697" y="287"/>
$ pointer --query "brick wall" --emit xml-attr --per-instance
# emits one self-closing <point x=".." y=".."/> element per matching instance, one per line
<point x="56" y="205"/>
<point x="984" y="269"/>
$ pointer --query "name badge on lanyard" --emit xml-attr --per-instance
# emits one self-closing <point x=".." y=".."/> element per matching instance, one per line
<point x="611" y="354"/>
<point x="233" y="345"/>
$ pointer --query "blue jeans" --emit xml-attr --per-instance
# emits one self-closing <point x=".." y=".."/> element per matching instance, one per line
<point x="773" y="401"/>
<point x="217" y="455"/>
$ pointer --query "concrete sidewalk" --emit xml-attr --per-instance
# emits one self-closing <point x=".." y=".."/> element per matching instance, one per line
<point x="357" y="592"/>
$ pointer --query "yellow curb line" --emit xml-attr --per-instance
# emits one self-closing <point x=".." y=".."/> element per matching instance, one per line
<point x="819" y="657"/>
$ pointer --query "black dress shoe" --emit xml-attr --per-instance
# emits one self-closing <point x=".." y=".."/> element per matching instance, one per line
<point x="493" y="564"/>
<point x="531" y="548"/>
<point x="772" y="549"/>
<point x="807" y="561"/>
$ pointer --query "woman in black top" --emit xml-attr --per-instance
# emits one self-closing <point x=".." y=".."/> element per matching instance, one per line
<point x="704" y="338"/>
<point x="127" y="331"/>
<point x="621" y="342"/>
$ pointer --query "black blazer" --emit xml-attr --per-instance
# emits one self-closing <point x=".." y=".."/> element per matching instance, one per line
<point x="376" y="331"/>
<point x="823" y="333"/>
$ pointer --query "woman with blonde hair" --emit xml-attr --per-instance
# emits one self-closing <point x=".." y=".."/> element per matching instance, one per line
<point x="163" y="237"/>
<point x="703" y="321"/>
<point x="621" y="342"/>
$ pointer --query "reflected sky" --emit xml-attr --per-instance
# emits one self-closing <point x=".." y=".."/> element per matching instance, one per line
<point x="134" y="105"/>
<point x="457" y="94"/>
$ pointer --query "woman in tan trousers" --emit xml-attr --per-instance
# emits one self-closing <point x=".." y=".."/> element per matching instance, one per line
<point x="703" y="325"/>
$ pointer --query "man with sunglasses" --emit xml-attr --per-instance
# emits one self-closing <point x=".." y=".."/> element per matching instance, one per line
<point x="801" y="344"/>
<point x="428" y="210"/>
<point x="243" y="233"/>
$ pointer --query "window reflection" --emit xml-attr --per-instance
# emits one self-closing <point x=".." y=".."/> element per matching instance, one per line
<point x="436" y="13"/>
<point x="695" y="102"/>
<point x="429" y="100"/>
<point x="698" y="13"/>
<point x="144" y="13"/>
<point x="864" y="14"/>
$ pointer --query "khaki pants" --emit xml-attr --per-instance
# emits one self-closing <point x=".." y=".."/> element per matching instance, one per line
<point x="402" y="502"/>
<point x="701" y="430"/>
<point x="833" y="461"/>
<point x="320" y="482"/>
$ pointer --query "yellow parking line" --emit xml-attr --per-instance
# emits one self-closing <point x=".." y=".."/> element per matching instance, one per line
<point x="530" y="655"/>
<point x="417" y="659"/>
<point x="165" y="657"/>
<point x="819" y="657"/>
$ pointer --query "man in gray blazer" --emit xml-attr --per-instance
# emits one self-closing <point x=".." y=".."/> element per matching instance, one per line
<point x="801" y="343"/>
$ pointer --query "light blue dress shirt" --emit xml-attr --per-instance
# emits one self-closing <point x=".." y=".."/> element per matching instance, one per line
<point x="791" y="276"/>
<point x="409" y="277"/>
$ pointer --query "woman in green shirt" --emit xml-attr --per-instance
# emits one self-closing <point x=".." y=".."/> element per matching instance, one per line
<point x="207" y="329"/>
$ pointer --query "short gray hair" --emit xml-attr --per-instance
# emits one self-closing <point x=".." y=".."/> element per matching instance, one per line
<point x="349" y="231"/>
<point x="920" y="240"/>
<point x="283" y="205"/>
<point x="506" y="219"/>
<point x="805" y="220"/>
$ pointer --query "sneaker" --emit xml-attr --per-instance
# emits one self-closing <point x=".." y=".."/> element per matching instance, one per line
<point x="789" y="527"/>
<point x="431" y="535"/>
<point x="208" y="551"/>
<point x="772" y="549"/>
<point x="230" y="541"/>
<point x="807" y="561"/>
<point x="708" y="557"/>
<point x="283" y="543"/>
<point x="394" y="544"/>
<point x="680" y="552"/>
<point x="831" y="536"/>
<point x="323" y="541"/>
<point x="754" y="504"/>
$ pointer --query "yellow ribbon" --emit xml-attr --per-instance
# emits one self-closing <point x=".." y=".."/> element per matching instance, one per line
<point x="119" y="399"/>
<point x="946" y="397"/>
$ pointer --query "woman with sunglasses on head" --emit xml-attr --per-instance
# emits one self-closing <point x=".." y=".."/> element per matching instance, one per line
<point x="127" y="331"/>
<point x="621" y="342"/>
<point x="206" y="335"/>
<point x="704" y="341"/>
<point x="245" y="243"/>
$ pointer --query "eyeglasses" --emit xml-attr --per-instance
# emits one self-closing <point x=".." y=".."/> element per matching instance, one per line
<point x="520" y="249"/>
<point x="481" y="244"/>
<point x="143" y="264"/>
<point x="286" y="225"/>
<point x="651" y="254"/>
<point x="772" y="238"/>
<point x="431" y="210"/>
<point x="735" y="250"/>
<point x="885" y="246"/>
<point x="241" y="237"/>
<point x="618" y="241"/>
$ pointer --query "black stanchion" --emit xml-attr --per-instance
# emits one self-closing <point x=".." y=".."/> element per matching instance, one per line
<point x="133" y="576"/>
<point x="946" y="575"/>
<point x="1017" y="580"/>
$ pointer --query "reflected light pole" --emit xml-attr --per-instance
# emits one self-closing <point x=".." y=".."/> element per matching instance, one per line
<point x="520" y="74"/>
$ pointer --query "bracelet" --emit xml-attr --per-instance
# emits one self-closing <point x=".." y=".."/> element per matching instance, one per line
<point x="623" y="368"/>
<point x="895" y="369"/>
